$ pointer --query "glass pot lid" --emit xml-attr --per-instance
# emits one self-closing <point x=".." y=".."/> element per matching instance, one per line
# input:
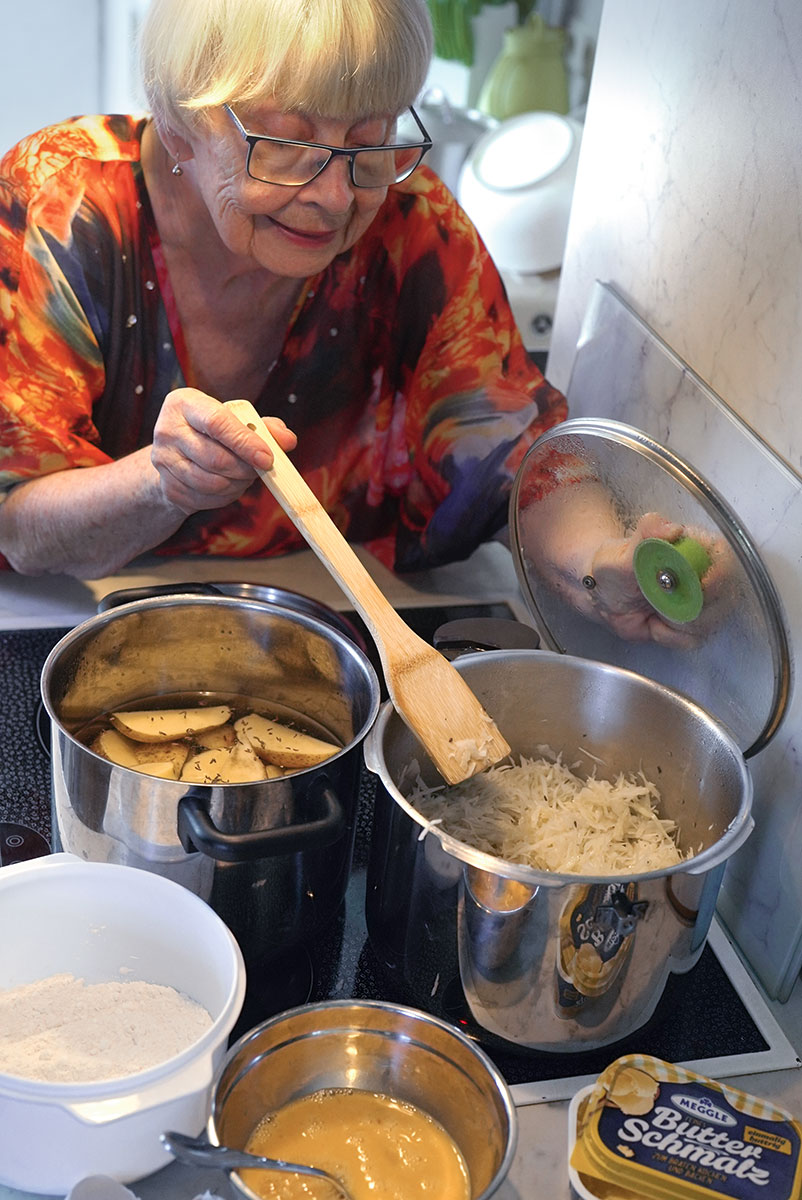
<point x="727" y="645"/>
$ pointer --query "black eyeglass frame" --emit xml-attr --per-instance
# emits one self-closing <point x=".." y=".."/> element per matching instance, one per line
<point x="348" y="152"/>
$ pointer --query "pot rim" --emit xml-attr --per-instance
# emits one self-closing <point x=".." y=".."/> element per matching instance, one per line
<point x="731" y="840"/>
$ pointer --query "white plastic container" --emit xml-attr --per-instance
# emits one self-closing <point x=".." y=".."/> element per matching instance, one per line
<point x="99" y="922"/>
<point x="575" y="1180"/>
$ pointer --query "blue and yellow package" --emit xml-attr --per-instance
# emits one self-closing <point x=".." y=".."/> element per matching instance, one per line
<point x="650" y="1128"/>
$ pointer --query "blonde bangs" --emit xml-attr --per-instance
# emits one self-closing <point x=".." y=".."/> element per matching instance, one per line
<point x="338" y="58"/>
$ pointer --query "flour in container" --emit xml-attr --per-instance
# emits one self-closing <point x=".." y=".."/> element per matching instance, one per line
<point x="63" y="1030"/>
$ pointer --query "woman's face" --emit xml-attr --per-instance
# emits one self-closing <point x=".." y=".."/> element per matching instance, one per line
<point x="290" y="231"/>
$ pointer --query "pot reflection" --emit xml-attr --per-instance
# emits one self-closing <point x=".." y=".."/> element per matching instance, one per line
<point x="493" y="918"/>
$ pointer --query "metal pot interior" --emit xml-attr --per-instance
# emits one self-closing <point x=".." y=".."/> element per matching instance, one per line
<point x="177" y="645"/>
<point x="599" y="718"/>
<point x="375" y="1047"/>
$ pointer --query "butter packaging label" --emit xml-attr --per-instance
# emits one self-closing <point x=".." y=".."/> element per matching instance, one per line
<point x="662" y="1131"/>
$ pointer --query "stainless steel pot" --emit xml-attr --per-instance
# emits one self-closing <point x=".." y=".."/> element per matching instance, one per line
<point x="241" y="590"/>
<point x="272" y="858"/>
<point x="375" y="1047"/>
<point x="446" y="919"/>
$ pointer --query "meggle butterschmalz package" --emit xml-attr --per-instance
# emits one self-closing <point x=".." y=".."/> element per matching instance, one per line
<point x="649" y="1128"/>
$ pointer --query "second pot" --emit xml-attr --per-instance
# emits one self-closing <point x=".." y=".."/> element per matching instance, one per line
<point x="273" y="857"/>
<point x="453" y="925"/>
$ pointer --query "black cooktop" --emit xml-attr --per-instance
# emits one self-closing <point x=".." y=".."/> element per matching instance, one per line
<point x="700" y="1015"/>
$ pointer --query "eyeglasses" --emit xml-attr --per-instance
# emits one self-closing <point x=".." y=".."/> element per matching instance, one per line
<point x="292" y="163"/>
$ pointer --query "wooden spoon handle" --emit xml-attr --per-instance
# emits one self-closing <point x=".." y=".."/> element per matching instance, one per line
<point x="314" y="523"/>
<point x="426" y="689"/>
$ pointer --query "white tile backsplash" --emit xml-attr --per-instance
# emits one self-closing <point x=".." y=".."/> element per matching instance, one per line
<point x="687" y="203"/>
<point x="622" y="369"/>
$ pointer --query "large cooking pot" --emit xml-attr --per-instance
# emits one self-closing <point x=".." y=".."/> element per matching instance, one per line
<point x="272" y="858"/>
<point x="564" y="962"/>
<point x="450" y="921"/>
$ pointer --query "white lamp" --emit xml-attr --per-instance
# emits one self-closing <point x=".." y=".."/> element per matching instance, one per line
<point x="516" y="186"/>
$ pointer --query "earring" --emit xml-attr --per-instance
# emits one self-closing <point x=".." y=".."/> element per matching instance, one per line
<point x="177" y="168"/>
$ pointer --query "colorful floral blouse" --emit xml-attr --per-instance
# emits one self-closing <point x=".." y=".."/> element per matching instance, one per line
<point x="402" y="371"/>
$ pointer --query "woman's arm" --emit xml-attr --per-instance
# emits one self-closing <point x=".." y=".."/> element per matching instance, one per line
<point x="86" y="522"/>
<point x="90" y="521"/>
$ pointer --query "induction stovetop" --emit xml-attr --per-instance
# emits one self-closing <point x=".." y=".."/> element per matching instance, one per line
<point x="712" y="1019"/>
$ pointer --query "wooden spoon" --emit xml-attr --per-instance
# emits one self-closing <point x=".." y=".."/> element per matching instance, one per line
<point x="426" y="690"/>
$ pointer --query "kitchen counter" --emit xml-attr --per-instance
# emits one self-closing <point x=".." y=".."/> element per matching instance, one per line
<point x="540" y="1165"/>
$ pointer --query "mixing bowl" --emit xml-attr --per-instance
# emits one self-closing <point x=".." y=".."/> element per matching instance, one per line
<point x="376" y="1047"/>
<point x="102" y="922"/>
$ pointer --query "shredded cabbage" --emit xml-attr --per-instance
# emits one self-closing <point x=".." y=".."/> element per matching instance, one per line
<point x="539" y="813"/>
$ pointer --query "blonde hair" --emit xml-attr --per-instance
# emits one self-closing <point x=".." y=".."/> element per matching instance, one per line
<point x="338" y="58"/>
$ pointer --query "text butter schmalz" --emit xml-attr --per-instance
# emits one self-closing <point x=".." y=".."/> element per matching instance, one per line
<point x="658" y="1130"/>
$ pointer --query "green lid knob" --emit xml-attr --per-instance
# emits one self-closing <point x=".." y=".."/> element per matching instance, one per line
<point x="669" y="574"/>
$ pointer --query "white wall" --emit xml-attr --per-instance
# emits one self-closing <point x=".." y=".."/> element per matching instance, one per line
<point x="687" y="201"/>
<point x="688" y="196"/>
<point x="51" y="63"/>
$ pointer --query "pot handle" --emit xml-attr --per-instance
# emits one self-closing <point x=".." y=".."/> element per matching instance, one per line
<point x="469" y="634"/>
<point x="198" y="832"/>
<point x="126" y="595"/>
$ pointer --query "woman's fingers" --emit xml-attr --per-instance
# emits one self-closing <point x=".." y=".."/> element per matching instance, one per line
<point x="205" y="457"/>
<point x="244" y="443"/>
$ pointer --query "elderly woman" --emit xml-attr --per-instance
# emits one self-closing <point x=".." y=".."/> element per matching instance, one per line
<point x="267" y="232"/>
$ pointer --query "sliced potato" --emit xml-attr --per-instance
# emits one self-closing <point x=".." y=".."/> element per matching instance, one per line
<point x="281" y="745"/>
<point x="117" y="749"/>
<point x="164" y="760"/>
<point x="163" y="769"/>
<point x="222" y="736"/>
<point x="161" y="752"/>
<point x="235" y="764"/>
<point x="169" y="724"/>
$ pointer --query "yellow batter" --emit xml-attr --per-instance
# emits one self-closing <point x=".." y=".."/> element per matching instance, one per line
<point x="381" y="1148"/>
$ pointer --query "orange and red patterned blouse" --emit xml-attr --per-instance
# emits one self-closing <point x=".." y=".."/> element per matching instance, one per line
<point x="402" y="371"/>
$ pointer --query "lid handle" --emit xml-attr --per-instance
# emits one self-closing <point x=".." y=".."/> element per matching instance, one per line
<point x="669" y="575"/>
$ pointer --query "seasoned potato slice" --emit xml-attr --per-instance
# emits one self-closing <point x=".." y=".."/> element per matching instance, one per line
<point x="171" y="753"/>
<point x="222" y="736"/>
<point x="235" y="764"/>
<point x="160" y="768"/>
<point x="117" y="749"/>
<point x="281" y="745"/>
<point x="169" y="724"/>
<point x="165" y="759"/>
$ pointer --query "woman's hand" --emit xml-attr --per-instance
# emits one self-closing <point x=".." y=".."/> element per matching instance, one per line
<point x="90" y="521"/>
<point x="205" y="457"/>
<point x="617" y="601"/>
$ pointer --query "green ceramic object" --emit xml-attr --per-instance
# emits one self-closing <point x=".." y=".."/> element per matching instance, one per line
<point x="529" y="75"/>
<point x="452" y="21"/>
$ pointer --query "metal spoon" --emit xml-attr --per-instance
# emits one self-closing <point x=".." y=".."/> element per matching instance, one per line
<point x="197" y="1152"/>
